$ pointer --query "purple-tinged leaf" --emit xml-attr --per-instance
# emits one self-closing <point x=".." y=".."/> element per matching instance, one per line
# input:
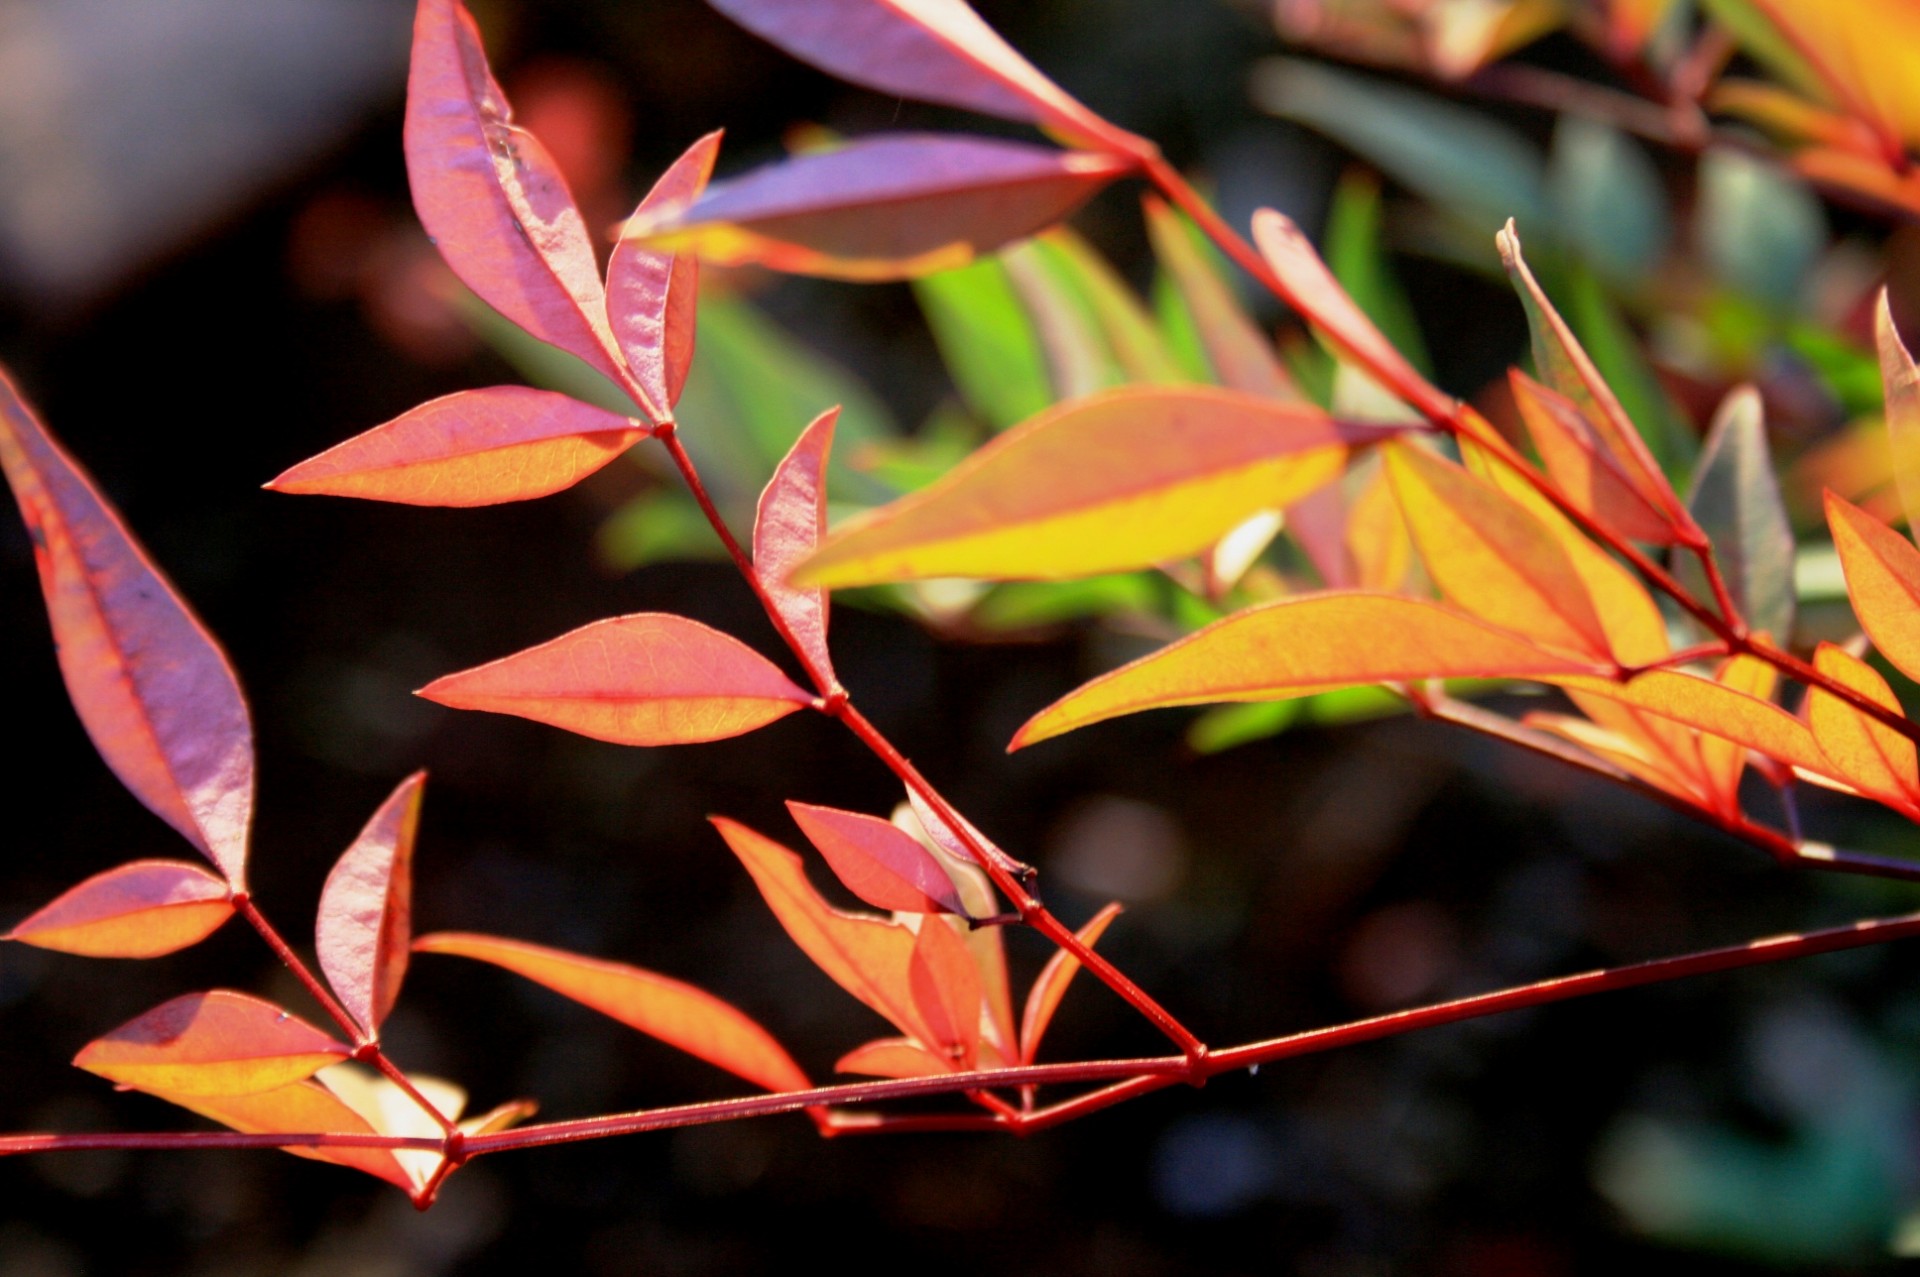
<point x="877" y="861"/>
<point x="792" y="520"/>
<point x="152" y="687"/>
<point x="471" y="448"/>
<point x="652" y="296"/>
<point x="365" y="927"/>
<point x="883" y="208"/>
<point x="492" y="199"/>
<point x="138" y="910"/>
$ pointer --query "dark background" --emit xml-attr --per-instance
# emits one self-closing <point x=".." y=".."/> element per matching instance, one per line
<point x="210" y="273"/>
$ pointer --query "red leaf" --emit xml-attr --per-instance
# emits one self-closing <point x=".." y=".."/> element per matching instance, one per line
<point x="652" y="296"/>
<point x="646" y="679"/>
<point x="1583" y="466"/>
<point x="883" y="208"/>
<point x="877" y="861"/>
<point x="152" y="687"/>
<point x="139" y="910"/>
<point x="791" y="521"/>
<point x="217" y="1043"/>
<point x="491" y="197"/>
<point x="472" y="448"/>
<point x="676" y="1013"/>
<point x="1043" y="999"/>
<point x="893" y="1057"/>
<point x="946" y="991"/>
<point x="366" y="909"/>
<point x="930" y="50"/>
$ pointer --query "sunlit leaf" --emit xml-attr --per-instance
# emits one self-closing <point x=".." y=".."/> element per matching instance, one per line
<point x="1492" y="557"/>
<point x="887" y="207"/>
<point x="651" y="296"/>
<point x="1722" y="760"/>
<point x="216" y="1043"/>
<point x="877" y="862"/>
<point x="471" y="448"/>
<point x="1868" y="755"/>
<point x="1127" y="479"/>
<point x="151" y="686"/>
<point x="366" y="909"/>
<point x="1883" y="580"/>
<point x="646" y="679"/>
<point x="1736" y="500"/>
<point x="791" y="521"/>
<point x="1301" y="645"/>
<point x="978" y="899"/>
<point x="138" y="910"/>
<point x="1050" y="986"/>
<point x="1902" y="381"/>
<point x="674" y="1012"/>
<point x="303" y="1108"/>
<point x="391" y="1111"/>
<point x="1581" y="465"/>
<point x="1714" y="708"/>
<point x="491" y="197"/>
<point x="946" y="991"/>
<point x="893" y="1057"/>
<point x="1861" y="52"/>
<point x="987" y="340"/>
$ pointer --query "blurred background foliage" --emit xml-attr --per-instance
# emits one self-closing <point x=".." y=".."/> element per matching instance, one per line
<point x="208" y="270"/>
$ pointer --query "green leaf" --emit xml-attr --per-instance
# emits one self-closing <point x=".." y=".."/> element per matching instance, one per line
<point x="1127" y="328"/>
<point x="1228" y="726"/>
<point x="1354" y="254"/>
<point x="1616" y="352"/>
<point x="1607" y="197"/>
<point x="1760" y="227"/>
<point x="988" y="340"/>
<point x="1026" y="605"/>
<point x="659" y="526"/>
<point x="1736" y="500"/>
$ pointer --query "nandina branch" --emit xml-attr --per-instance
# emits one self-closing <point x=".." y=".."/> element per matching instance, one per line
<point x="54" y="1143"/>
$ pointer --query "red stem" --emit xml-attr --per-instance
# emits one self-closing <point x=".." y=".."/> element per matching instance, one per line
<point x="54" y="1143"/>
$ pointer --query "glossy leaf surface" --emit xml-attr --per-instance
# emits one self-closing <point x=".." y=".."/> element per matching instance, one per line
<point x="216" y="1043"/>
<point x="366" y="909"/>
<point x="1883" y="581"/>
<point x="1736" y="501"/>
<point x="882" y="208"/>
<point x="653" y="297"/>
<point x="1127" y="479"/>
<point x="877" y="862"/>
<point x="929" y="50"/>
<point x="492" y="198"/>
<point x="646" y="679"/>
<point x="152" y="687"/>
<point x="1301" y="645"/>
<point x="471" y="448"/>
<point x="1050" y="986"/>
<point x="788" y="527"/>
<point x="138" y="910"/>
<point x="660" y="1007"/>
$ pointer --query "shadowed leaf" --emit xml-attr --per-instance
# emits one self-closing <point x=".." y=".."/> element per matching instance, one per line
<point x="1302" y="645"/>
<point x="882" y="208"/>
<point x="1050" y="986"/>
<point x="471" y="448"/>
<point x="216" y="1043"/>
<point x="151" y="686"/>
<point x="139" y="910"/>
<point x="877" y="862"/>
<point x="646" y="679"/>
<point x="1902" y="382"/>
<point x="366" y="909"/>
<point x="1242" y="357"/>
<point x="987" y="340"/>
<point x="652" y="297"/>
<point x="1126" y="479"/>
<point x="660" y="1007"/>
<point x="1883" y="581"/>
<point x="1735" y="500"/>
<point x="790" y="523"/>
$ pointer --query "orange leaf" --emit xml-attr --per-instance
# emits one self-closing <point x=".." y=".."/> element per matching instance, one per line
<point x="646" y="679"/>
<point x="652" y="297"/>
<point x="1377" y="536"/>
<point x="302" y="1108"/>
<point x="471" y="448"/>
<point x="1489" y="555"/>
<point x="1125" y="479"/>
<point x="868" y="957"/>
<point x="217" y="1043"/>
<point x="1883" y="580"/>
<point x="1581" y="465"/>
<point x="1043" y="999"/>
<point x="946" y="991"/>
<point x="1628" y="753"/>
<point x="660" y="1007"/>
<point x="1713" y="708"/>
<point x="151" y="686"/>
<point x="366" y="909"/>
<point x="1723" y="760"/>
<point x="893" y="1057"/>
<point x="877" y="861"/>
<point x="1870" y="756"/>
<point x="1301" y="645"/>
<point x="139" y="910"/>
<point x="787" y="529"/>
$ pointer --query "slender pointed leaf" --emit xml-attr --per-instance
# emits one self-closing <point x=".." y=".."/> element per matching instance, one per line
<point x="1079" y="359"/>
<point x="676" y="1013"/>
<point x="151" y="686"/>
<point x="987" y="340"/>
<point x="366" y="909"/>
<point x="1301" y="645"/>
<point x="1050" y="986"/>
<point x="491" y="197"/>
<point x="887" y="207"/>
<point x="1711" y="707"/>
<point x="471" y="448"/>
<point x="946" y="991"/>
<point x="1902" y="381"/>
<point x="877" y="862"/>
<point x="646" y="679"/>
<point x="791" y="522"/>
<point x="651" y="296"/>
<point x="216" y="1043"/>
<point x="1130" y="478"/>
<point x="1582" y="466"/>
<point x="138" y="910"/>
<point x="1736" y="500"/>
<point x="1883" y="581"/>
<point x="1721" y="760"/>
<point x="1241" y="356"/>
